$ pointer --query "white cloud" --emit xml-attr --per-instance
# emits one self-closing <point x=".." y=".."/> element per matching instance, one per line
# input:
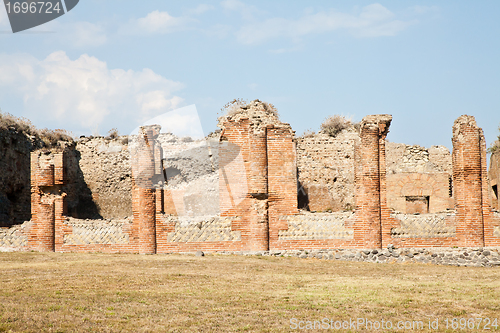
<point x="246" y="11"/>
<point x="181" y="122"/>
<point x="83" y="94"/>
<point x="373" y="21"/>
<point x="200" y="9"/>
<point x="160" y="22"/>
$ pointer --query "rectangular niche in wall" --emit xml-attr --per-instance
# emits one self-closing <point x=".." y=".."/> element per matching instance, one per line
<point x="417" y="204"/>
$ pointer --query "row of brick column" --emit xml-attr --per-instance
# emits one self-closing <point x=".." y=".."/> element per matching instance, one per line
<point x="258" y="186"/>
<point x="474" y="220"/>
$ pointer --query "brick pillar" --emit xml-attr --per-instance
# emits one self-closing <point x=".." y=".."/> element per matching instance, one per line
<point x="489" y="221"/>
<point x="282" y="178"/>
<point x="370" y="166"/>
<point x="147" y="221"/>
<point x="47" y="199"/>
<point x="45" y="235"/>
<point x="258" y="194"/>
<point x="468" y="181"/>
<point x="145" y="168"/>
<point x="234" y="156"/>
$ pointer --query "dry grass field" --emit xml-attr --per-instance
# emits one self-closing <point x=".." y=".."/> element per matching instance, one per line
<point x="54" y="292"/>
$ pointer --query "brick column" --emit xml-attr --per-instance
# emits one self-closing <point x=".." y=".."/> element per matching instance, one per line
<point x="370" y="166"/>
<point x="47" y="199"/>
<point x="145" y="166"/>
<point x="468" y="181"/>
<point x="258" y="194"/>
<point x="282" y="179"/>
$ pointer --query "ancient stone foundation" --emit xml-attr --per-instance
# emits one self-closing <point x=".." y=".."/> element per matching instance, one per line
<point x="416" y="198"/>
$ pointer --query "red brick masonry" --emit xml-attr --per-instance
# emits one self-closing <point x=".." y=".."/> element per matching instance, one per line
<point x="258" y="197"/>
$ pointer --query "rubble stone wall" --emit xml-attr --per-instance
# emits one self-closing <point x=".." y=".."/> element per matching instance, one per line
<point x="325" y="168"/>
<point x="15" y="193"/>
<point x="104" y="179"/>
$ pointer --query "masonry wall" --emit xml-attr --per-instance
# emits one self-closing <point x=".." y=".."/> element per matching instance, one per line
<point x="103" y="178"/>
<point x="472" y="222"/>
<point x="325" y="168"/>
<point x="419" y="192"/>
<point x="254" y="175"/>
<point x="15" y="194"/>
<point x="419" y="180"/>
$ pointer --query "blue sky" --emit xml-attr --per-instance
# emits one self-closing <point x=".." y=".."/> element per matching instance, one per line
<point x="117" y="64"/>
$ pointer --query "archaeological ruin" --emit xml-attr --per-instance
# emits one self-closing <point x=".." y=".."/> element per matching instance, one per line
<point x="251" y="186"/>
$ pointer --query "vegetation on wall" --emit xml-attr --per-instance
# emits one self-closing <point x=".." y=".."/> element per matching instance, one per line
<point x="237" y="104"/>
<point x="335" y="124"/>
<point x="21" y="125"/>
<point x="495" y="147"/>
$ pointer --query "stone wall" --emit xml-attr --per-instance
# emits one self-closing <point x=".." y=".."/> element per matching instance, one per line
<point x="103" y="179"/>
<point x="424" y="225"/>
<point x="15" y="238"/>
<point x="15" y="194"/>
<point x="413" y="158"/>
<point x="325" y="168"/>
<point x="418" y="179"/>
<point x="419" y="192"/>
<point x="317" y="226"/>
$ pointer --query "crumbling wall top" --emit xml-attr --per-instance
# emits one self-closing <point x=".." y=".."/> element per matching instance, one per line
<point x="380" y="121"/>
<point x="461" y="122"/>
<point x="260" y="114"/>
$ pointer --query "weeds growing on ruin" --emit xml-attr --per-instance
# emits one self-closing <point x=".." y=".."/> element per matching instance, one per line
<point x="50" y="138"/>
<point x="335" y="124"/>
<point x="237" y="104"/>
<point x="233" y="106"/>
<point x="113" y="134"/>
<point x="495" y="147"/>
<point x="308" y="133"/>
